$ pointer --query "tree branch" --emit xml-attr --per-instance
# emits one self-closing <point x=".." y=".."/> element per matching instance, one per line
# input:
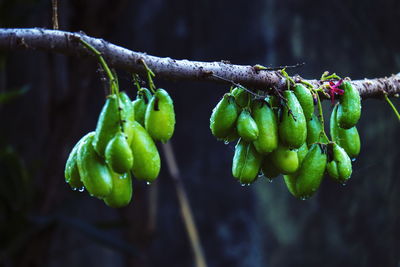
<point x="168" y="68"/>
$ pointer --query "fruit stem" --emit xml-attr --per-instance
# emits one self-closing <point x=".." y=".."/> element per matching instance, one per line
<point x="391" y="105"/>
<point x="321" y="118"/>
<point x="150" y="75"/>
<point x="289" y="80"/>
<point x="136" y="81"/>
<point x="111" y="78"/>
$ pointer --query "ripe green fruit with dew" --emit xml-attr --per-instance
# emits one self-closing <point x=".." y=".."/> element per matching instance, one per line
<point x="246" y="162"/>
<point x="285" y="159"/>
<point x="224" y="116"/>
<point x="314" y="129"/>
<point x="348" y="139"/>
<point x="118" y="154"/>
<point x="146" y="164"/>
<point x="159" y="120"/>
<point x="292" y="127"/>
<point x="246" y="126"/>
<point x="349" y="110"/>
<point x="267" y="124"/>
<point x="290" y="179"/>
<point x="305" y="99"/>
<point x="127" y="115"/>
<point x="107" y="125"/>
<point x="94" y="173"/>
<point x="311" y="171"/>
<point x="121" y="193"/>
<point x="71" y="172"/>
<point x="241" y="97"/>
<point x="140" y="104"/>
<point x="339" y="164"/>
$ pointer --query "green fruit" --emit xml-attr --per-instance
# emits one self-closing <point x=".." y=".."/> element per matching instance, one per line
<point x="266" y="121"/>
<point x="349" y="110"/>
<point x="94" y="173"/>
<point x="290" y="179"/>
<point x="268" y="168"/>
<point x="285" y="159"/>
<point x="159" y="120"/>
<point x="107" y="124"/>
<point x="246" y="162"/>
<point x="339" y="163"/>
<point x="140" y="104"/>
<point x="71" y="171"/>
<point x="146" y="164"/>
<point x="348" y="139"/>
<point x="223" y="117"/>
<point x="127" y="115"/>
<point x="118" y="154"/>
<point x="305" y="99"/>
<point x="241" y="96"/>
<point x="121" y="193"/>
<point x="246" y="126"/>
<point x="311" y="171"/>
<point x="293" y="127"/>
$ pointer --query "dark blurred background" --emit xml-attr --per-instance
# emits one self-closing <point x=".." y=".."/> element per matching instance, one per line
<point x="49" y="101"/>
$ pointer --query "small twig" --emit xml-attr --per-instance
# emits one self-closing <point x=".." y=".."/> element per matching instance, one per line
<point x="237" y="85"/>
<point x="55" y="14"/>
<point x="391" y="105"/>
<point x="259" y="67"/>
<point x="186" y="211"/>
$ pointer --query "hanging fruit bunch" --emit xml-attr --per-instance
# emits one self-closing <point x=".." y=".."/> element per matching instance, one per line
<point x="282" y="134"/>
<point x="123" y="144"/>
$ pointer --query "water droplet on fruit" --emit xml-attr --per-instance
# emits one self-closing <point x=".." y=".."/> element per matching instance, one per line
<point x="353" y="159"/>
<point x="148" y="183"/>
<point x="74" y="188"/>
<point x="269" y="179"/>
<point x="81" y="189"/>
<point x="226" y="142"/>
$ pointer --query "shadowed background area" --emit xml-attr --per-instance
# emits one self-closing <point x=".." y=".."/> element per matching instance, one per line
<point x="49" y="101"/>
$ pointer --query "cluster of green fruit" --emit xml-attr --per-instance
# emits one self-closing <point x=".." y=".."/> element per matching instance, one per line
<point x="282" y="135"/>
<point x="122" y="145"/>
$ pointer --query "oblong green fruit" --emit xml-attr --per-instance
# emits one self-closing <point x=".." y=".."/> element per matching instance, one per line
<point x="339" y="164"/>
<point x="140" y="104"/>
<point x="121" y="193"/>
<point x="246" y="162"/>
<point x="290" y="179"/>
<point x="285" y="159"/>
<point x="107" y="125"/>
<point x="292" y="127"/>
<point x="311" y="171"/>
<point x="268" y="168"/>
<point x="71" y="171"/>
<point x="94" y="172"/>
<point x="127" y="115"/>
<point x="349" y="110"/>
<point x="118" y="154"/>
<point x="305" y="99"/>
<point x="246" y="126"/>
<point x="146" y="163"/>
<point x="159" y="120"/>
<point x="314" y="128"/>
<point x="267" y="124"/>
<point x="224" y="116"/>
<point x="241" y="96"/>
<point x="348" y="139"/>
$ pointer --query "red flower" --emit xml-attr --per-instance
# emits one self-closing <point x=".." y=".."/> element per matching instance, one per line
<point x="334" y="89"/>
